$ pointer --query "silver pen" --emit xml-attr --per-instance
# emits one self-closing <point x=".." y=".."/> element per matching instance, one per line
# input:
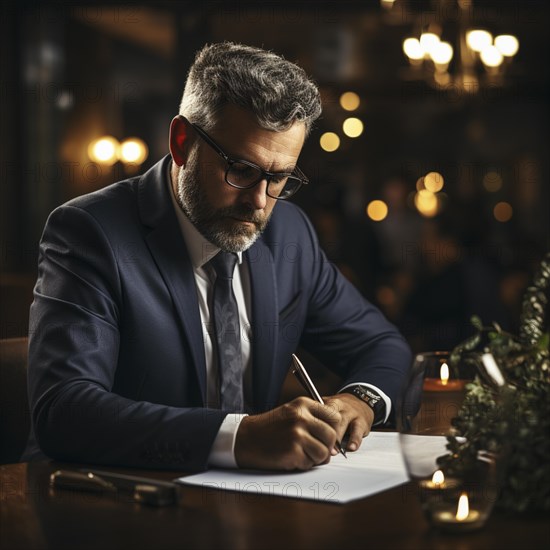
<point x="303" y="377"/>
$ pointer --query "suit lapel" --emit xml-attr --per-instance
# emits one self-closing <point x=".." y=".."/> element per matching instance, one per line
<point x="168" y="249"/>
<point x="265" y="323"/>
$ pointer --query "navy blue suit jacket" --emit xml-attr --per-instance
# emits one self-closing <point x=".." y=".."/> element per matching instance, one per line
<point x="116" y="358"/>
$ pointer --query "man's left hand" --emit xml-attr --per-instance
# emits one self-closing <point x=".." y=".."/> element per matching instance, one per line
<point x="357" y="418"/>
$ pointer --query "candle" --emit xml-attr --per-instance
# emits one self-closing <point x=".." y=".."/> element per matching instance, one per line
<point x="463" y="519"/>
<point x="443" y="383"/>
<point x="438" y="482"/>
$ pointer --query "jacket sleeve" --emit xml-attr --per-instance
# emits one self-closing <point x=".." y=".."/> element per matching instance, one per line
<point x="348" y="333"/>
<point x="73" y="353"/>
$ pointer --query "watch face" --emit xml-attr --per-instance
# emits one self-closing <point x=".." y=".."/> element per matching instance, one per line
<point x="373" y="400"/>
<point x="367" y="395"/>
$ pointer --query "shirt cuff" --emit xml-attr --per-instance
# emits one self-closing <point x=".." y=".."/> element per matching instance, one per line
<point x="386" y="399"/>
<point x="222" y="454"/>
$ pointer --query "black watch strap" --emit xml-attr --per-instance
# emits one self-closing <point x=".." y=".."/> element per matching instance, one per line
<point x="372" y="398"/>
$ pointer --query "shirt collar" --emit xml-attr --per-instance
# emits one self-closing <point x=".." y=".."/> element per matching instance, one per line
<point x="200" y="249"/>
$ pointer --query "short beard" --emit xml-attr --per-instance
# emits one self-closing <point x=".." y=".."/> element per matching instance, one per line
<point x="215" y="225"/>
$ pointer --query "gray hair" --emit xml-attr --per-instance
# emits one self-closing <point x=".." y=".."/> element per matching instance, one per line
<point x="275" y="90"/>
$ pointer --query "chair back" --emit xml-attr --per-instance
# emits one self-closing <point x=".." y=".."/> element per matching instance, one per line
<point x="14" y="405"/>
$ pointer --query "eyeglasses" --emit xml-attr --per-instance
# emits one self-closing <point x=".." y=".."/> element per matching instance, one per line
<point x="245" y="175"/>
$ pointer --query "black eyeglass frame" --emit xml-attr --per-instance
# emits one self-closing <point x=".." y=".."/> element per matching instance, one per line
<point x="264" y="174"/>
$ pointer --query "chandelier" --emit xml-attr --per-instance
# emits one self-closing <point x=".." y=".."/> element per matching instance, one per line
<point x="449" y="50"/>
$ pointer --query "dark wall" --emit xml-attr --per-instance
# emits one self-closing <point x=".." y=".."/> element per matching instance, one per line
<point x="72" y="72"/>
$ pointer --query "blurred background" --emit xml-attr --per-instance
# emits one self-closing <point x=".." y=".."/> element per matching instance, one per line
<point x="429" y="167"/>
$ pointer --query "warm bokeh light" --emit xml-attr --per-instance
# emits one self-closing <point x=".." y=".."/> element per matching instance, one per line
<point x="503" y="212"/>
<point x="385" y="296"/>
<point x="350" y="101"/>
<point x="426" y="203"/>
<point x="377" y="210"/>
<point x="491" y="56"/>
<point x="442" y="53"/>
<point x="463" y="509"/>
<point x="429" y="42"/>
<point x="104" y="150"/>
<point x="412" y="48"/>
<point x="478" y="39"/>
<point x="438" y="478"/>
<point x="507" y="44"/>
<point x="420" y="184"/>
<point x="492" y="182"/>
<point x="353" y="127"/>
<point x="433" y="181"/>
<point x="444" y="373"/>
<point x="133" y="150"/>
<point x="441" y="76"/>
<point x="329" y="142"/>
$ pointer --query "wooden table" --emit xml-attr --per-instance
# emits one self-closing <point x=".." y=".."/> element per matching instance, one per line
<point x="32" y="516"/>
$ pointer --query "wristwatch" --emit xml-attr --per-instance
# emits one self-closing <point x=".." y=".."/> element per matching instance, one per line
<point x="372" y="398"/>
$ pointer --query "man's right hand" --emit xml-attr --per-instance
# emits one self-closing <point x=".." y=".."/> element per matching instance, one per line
<point x="295" y="436"/>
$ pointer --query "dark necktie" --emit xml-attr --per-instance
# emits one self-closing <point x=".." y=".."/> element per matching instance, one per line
<point x="228" y="334"/>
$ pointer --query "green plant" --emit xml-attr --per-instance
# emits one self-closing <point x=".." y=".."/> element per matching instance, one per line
<point x="513" y="419"/>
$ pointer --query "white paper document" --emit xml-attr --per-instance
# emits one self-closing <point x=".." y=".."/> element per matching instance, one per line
<point x="378" y="465"/>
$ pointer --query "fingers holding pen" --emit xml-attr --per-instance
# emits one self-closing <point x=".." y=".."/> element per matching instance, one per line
<point x="297" y="435"/>
<point x="356" y="418"/>
<point x="314" y="427"/>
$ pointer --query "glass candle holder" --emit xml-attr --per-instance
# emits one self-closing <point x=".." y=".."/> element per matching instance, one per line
<point x="457" y="494"/>
<point x="460" y="500"/>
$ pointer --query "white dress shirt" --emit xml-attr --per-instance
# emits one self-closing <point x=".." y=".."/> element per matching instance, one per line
<point x="201" y="252"/>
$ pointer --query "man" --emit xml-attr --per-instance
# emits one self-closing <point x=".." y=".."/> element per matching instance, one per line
<point x="150" y="348"/>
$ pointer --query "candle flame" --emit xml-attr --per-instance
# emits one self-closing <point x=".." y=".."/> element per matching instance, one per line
<point x="444" y="373"/>
<point x="463" y="509"/>
<point x="438" y="477"/>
